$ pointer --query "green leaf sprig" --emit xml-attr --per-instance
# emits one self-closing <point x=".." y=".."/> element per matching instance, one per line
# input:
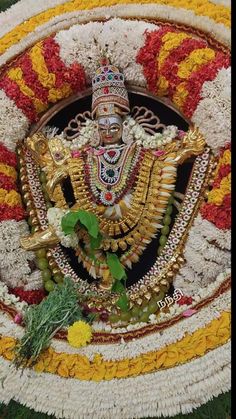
<point x="89" y="221"/>
<point x="60" y="309"/>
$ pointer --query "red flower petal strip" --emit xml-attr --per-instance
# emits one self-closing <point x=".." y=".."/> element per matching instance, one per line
<point x="73" y="75"/>
<point x="7" y="156"/>
<point x="23" y="102"/>
<point x="11" y="213"/>
<point x="206" y="72"/>
<point x="31" y="297"/>
<point x="6" y="182"/>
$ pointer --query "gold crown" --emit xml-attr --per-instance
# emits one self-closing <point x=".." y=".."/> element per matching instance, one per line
<point x="109" y="92"/>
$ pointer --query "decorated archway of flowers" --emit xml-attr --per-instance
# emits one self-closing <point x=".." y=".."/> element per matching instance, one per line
<point x="175" y="49"/>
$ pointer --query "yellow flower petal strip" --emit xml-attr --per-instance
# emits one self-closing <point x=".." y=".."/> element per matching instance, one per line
<point x="216" y="333"/>
<point x="46" y="78"/>
<point x="183" y="63"/>
<point x="39" y="77"/>
<point x="11" y="198"/>
<point x="8" y="170"/>
<point x="16" y="75"/>
<point x="218" y="13"/>
<point x="216" y="196"/>
<point x="194" y="61"/>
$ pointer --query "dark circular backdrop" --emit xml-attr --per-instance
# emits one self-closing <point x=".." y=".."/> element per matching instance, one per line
<point x="167" y="115"/>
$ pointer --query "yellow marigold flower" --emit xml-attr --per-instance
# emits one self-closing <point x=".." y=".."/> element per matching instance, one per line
<point x="79" y="334"/>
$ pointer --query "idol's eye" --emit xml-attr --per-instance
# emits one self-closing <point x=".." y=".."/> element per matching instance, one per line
<point x="114" y="128"/>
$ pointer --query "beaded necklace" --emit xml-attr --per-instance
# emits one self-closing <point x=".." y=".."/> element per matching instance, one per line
<point x="110" y="175"/>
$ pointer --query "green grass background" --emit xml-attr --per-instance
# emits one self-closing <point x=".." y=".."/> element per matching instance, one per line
<point x="4" y="4"/>
<point x="218" y="408"/>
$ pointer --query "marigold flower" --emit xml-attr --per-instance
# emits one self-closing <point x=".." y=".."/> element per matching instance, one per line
<point x="79" y="334"/>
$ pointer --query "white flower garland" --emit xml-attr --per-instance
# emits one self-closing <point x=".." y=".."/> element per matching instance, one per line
<point x="14" y="267"/>
<point x="204" y="260"/>
<point x="13" y="123"/>
<point x="134" y="130"/>
<point x="204" y="377"/>
<point x="85" y="43"/>
<point x="22" y="11"/>
<point x="218" y="31"/>
<point x="131" y="349"/>
<point x="155" y="341"/>
<point x="213" y="113"/>
<point x="25" y="9"/>
<point x="212" y="233"/>
<point x="226" y="3"/>
<point x="158" y="140"/>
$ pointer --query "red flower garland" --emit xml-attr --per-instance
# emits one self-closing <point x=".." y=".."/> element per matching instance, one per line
<point x="147" y="55"/>
<point x="219" y="215"/>
<point x="6" y="182"/>
<point x="73" y="75"/>
<point x="31" y="78"/>
<point x="178" y="54"/>
<point x="22" y="102"/>
<point x="206" y="72"/>
<point x="11" y="213"/>
<point x="30" y="297"/>
<point x="7" y="157"/>
<point x="148" y="58"/>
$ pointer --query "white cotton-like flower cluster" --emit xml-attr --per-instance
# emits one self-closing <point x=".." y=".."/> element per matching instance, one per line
<point x="54" y="219"/>
<point x="123" y="39"/>
<point x="119" y="39"/>
<point x="213" y="113"/>
<point x="79" y="44"/>
<point x="13" y="123"/>
<point x="15" y="270"/>
<point x="154" y="141"/>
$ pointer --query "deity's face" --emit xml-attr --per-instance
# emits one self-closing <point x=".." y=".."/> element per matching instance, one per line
<point x="110" y="129"/>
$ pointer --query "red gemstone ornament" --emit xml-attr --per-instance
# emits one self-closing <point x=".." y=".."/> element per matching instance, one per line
<point x="106" y="90"/>
<point x="111" y="153"/>
<point x="108" y="196"/>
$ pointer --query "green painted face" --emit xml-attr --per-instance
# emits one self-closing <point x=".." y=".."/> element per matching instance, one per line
<point x="110" y="129"/>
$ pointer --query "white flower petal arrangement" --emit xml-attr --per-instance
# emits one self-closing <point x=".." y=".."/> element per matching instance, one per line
<point x="81" y="37"/>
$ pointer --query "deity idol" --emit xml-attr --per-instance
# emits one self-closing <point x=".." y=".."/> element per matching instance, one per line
<point x="117" y="169"/>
